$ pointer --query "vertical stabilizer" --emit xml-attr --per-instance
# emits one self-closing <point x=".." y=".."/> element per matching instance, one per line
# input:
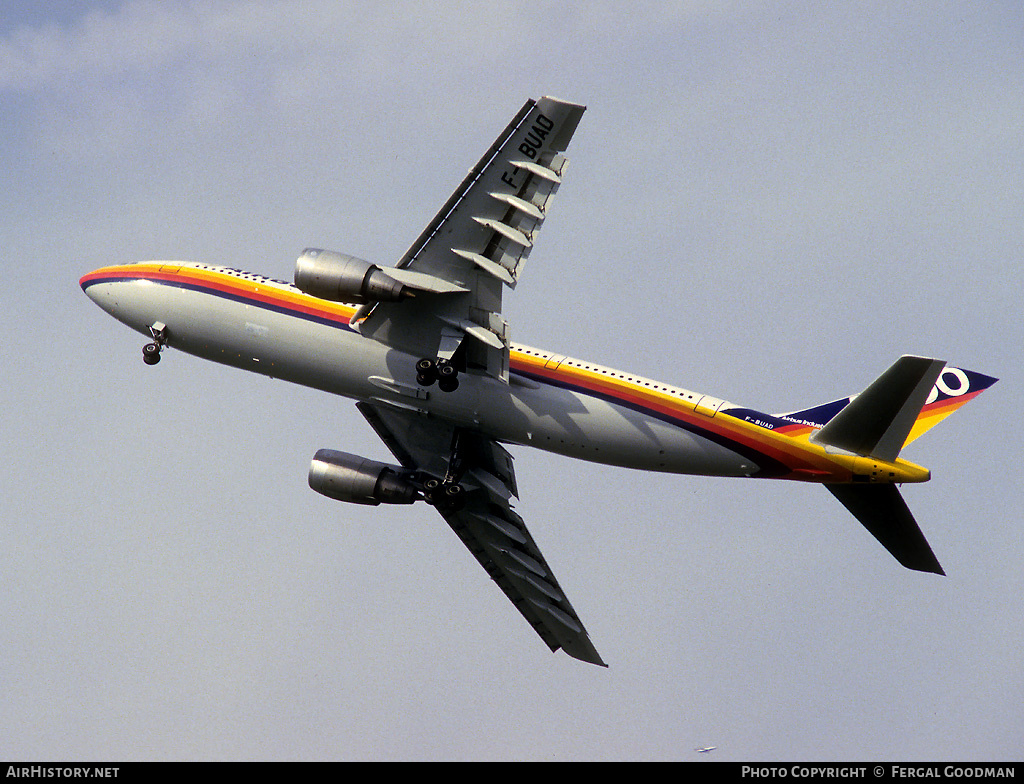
<point x="878" y="421"/>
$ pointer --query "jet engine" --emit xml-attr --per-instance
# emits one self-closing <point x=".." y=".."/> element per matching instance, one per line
<point x="342" y="278"/>
<point x="355" y="479"/>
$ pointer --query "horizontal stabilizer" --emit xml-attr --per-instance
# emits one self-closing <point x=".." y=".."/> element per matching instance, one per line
<point x="878" y="421"/>
<point x="882" y="510"/>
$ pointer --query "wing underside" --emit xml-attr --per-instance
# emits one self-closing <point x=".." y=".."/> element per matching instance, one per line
<point x="486" y="523"/>
<point x="478" y="243"/>
<point x="473" y="249"/>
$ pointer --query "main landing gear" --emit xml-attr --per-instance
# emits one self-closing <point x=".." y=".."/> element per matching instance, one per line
<point x="151" y="351"/>
<point x="441" y="370"/>
<point x="444" y="493"/>
<point x="447" y="494"/>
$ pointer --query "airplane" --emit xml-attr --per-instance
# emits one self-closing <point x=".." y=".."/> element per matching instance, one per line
<point x="705" y="749"/>
<point x="424" y="351"/>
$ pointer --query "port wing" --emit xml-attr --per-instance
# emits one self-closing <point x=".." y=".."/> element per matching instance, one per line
<point x="479" y="241"/>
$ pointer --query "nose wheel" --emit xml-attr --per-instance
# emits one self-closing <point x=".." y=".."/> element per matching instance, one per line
<point x="151" y="351"/>
<point x="440" y="370"/>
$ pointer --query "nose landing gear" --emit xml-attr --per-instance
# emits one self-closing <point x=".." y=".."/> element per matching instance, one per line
<point x="151" y="351"/>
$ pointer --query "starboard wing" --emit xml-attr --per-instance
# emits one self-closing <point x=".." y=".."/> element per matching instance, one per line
<point x="485" y="521"/>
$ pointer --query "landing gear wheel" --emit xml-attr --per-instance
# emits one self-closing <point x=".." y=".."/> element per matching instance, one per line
<point x="441" y="370"/>
<point x="444" y="494"/>
<point x="447" y="376"/>
<point x="151" y="351"/>
<point x="432" y="486"/>
<point x="426" y="372"/>
<point x="453" y="501"/>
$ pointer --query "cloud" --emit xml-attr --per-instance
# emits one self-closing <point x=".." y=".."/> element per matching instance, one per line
<point x="136" y="37"/>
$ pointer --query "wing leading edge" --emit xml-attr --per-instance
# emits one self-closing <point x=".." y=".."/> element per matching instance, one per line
<point x="486" y="523"/>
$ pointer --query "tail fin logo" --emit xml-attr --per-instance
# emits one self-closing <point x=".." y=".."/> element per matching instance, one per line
<point x="953" y="388"/>
<point x="942" y="386"/>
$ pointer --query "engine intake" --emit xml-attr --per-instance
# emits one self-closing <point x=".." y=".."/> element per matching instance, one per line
<point x="342" y="278"/>
<point x="357" y="480"/>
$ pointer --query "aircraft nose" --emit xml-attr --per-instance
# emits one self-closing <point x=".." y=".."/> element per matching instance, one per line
<point x="123" y="294"/>
<point x="84" y="282"/>
<point x="100" y="289"/>
<point x="93" y="288"/>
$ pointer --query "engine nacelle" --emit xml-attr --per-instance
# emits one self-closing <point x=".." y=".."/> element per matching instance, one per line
<point x="342" y="278"/>
<point x="355" y="479"/>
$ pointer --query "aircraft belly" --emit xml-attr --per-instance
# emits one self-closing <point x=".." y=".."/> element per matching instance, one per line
<point x="587" y="427"/>
<point x="336" y="359"/>
<point x="332" y="358"/>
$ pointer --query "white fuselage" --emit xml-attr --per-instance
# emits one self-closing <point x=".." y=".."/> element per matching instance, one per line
<point x="231" y="329"/>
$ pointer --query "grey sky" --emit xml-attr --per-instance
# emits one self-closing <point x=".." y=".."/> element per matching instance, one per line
<point x="768" y="202"/>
